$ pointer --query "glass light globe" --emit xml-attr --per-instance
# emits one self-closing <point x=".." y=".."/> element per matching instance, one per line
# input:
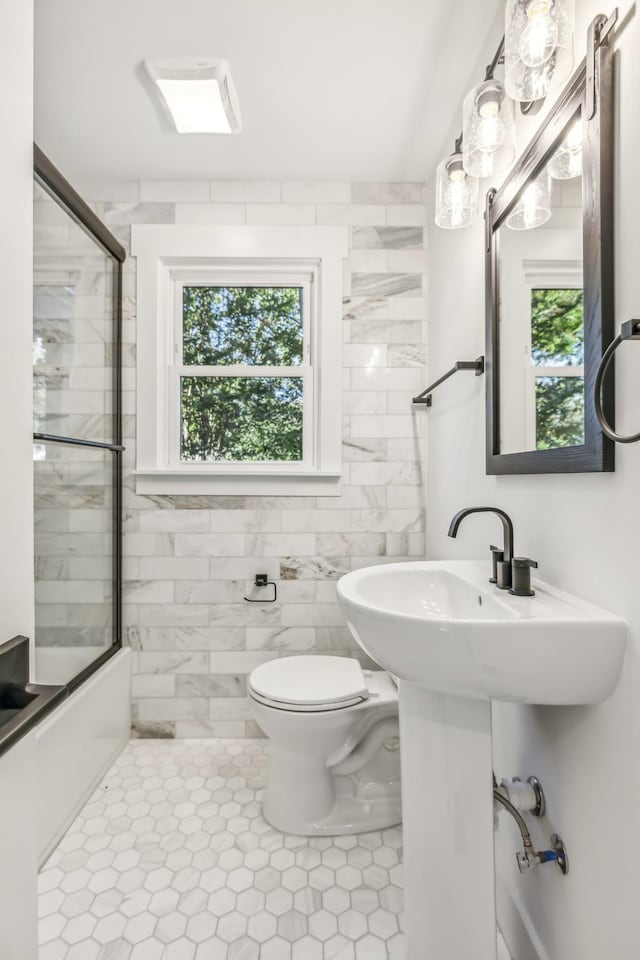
<point x="566" y="163"/>
<point x="456" y="194"/>
<point x="538" y="47"/>
<point x="534" y="205"/>
<point x="488" y="134"/>
<point x="540" y="36"/>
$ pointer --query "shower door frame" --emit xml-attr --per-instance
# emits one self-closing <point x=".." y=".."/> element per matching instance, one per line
<point x="52" y="181"/>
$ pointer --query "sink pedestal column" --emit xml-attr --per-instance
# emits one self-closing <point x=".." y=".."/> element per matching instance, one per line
<point x="447" y="807"/>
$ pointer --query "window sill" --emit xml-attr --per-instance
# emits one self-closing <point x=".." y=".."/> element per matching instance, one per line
<point x="227" y="481"/>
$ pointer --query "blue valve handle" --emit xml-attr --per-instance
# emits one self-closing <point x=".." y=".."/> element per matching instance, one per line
<point x="548" y="856"/>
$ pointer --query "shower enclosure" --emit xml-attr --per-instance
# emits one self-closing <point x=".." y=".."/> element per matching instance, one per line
<point x="77" y="440"/>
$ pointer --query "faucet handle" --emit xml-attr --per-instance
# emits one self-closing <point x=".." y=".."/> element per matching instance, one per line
<point x="496" y="555"/>
<point x="521" y="576"/>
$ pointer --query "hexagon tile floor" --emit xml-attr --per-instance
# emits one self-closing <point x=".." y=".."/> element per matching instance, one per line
<point x="171" y="860"/>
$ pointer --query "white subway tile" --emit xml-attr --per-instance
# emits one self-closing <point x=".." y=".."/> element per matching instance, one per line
<point x="209" y="591"/>
<point x="210" y="638"/>
<point x="313" y="521"/>
<point x="405" y="497"/>
<point x="386" y="379"/>
<point x="209" y="544"/>
<point x="408" y="261"/>
<point x="149" y="545"/>
<point x="280" y="544"/>
<point x="346" y="544"/>
<point x="148" y="591"/>
<point x="175" y="191"/>
<point x="153" y="685"/>
<point x="112" y="190"/>
<point x="401" y="192"/>
<point x="281" y="213"/>
<point x="368" y="261"/>
<point x="352" y="215"/>
<point x="243" y="568"/>
<point x="70" y="591"/>
<point x="316" y="191"/>
<point x="230" y="708"/>
<point x="383" y="425"/>
<point x="386" y="473"/>
<point x="364" y="355"/>
<point x="174" y="521"/>
<point x="245" y="191"/>
<point x="210" y="213"/>
<point x="204" y="728"/>
<point x="388" y="521"/>
<point x="320" y="614"/>
<point x="244" y="614"/>
<point x="238" y="662"/>
<point x="173" y="568"/>
<point x="406" y="215"/>
<point x="405" y="449"/>
<point x="326" y="591"/>
<point x="364" y="402"/>
<point x="281" y="638"/>
<point x="172" y="615"/>
<point x="172" y="662"/>
<point x="176" y="708"/>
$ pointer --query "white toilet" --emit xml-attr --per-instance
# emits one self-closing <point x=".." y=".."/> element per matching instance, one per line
<point x="335" y="762"/>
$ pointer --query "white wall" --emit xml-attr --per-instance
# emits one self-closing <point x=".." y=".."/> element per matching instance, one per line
<point x="16" y="173"/>
<point x="18" y="863"/>
<point x="584" y="531"/>
<point x="18" y="918"/>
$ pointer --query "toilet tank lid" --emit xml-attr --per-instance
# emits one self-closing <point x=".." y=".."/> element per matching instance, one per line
<point x="310" y="680"/>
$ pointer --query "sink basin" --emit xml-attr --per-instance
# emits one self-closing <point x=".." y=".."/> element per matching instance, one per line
<point x="456" y="643"/>
<point x="443" y="626"/>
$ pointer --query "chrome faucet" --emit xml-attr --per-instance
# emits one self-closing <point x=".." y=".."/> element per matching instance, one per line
<point x="501" y="559"/>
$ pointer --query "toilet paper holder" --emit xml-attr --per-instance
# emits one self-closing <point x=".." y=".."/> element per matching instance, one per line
<point x="262" y="580"/>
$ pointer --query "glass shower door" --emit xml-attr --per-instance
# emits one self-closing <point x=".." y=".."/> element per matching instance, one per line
<point x="77" y="434"/>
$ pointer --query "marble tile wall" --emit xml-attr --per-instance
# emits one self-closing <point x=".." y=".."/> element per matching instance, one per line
<point x="190" y="560"/>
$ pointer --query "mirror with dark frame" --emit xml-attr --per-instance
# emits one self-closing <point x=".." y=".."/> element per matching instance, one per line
<point x="549" y="289"/>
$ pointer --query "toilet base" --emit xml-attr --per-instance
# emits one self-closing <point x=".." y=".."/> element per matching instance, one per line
<point x="322" y="804"/>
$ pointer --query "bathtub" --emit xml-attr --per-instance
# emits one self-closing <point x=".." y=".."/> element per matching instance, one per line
<point x="76" y="744"/>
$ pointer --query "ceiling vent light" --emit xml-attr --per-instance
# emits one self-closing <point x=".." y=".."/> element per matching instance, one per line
<point x="197" y="93"/>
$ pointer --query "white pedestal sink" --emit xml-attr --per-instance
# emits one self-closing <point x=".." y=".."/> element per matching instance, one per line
<point x="456" y="642"/>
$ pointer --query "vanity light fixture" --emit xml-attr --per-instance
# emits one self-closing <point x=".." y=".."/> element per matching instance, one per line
<point x="485" y="146"/>
<point x="537" y="54"/>
<point x="456" y="193"/>
<point x="566" y="163"/>
<point x="534" y="206"/>
<point x="538" y="47"/>
<point x="197" y="93"/>
<point x="488" y="130"/>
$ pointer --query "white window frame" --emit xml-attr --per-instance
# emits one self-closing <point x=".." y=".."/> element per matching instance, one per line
<point x="168" y="257"/>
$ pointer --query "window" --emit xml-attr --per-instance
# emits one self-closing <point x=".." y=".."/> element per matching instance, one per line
<point x="557" y="356"/>
<point x="239" y="359"/>
<point x="552" y="338"/>
<point x="244" y="379"/>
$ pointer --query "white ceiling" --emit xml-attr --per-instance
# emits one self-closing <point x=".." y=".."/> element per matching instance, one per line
<point x="328" y="89"/>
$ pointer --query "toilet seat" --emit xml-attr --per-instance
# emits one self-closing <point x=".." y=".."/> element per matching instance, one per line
<point x="309" y="684"/>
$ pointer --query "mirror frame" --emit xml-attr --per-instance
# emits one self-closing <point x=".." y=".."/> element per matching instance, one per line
<point x="597" y="452"/>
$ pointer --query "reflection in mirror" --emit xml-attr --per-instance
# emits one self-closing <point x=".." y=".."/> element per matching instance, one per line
<point x="541" y="308"/>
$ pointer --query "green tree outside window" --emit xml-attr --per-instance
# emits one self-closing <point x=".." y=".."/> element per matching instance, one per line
<point x="557" y="340"/>
<point x="239" y="418"/>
